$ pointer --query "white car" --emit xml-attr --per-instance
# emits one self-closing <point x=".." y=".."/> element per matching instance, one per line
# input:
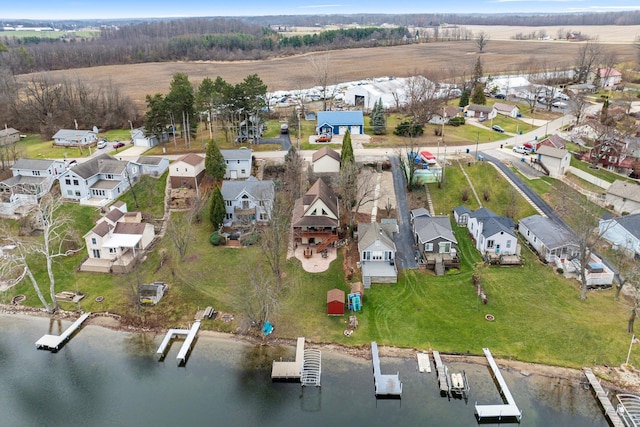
<point x="102" y="143"/>
<point x="521" y="149"/>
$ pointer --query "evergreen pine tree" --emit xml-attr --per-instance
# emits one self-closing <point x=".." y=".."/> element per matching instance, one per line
<point x="378" y="119"/>
<point x="478" y="95"/>
<point x="477" y="72"/>
<point x="464" y="98"/>
<point x="217" y="210"/>
<point x="346" y="155"/>
<point x="214" y="163"/>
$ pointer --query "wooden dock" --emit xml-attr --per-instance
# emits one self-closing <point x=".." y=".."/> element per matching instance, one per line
<point x="55" y="342"/>
<point x="424" y="365"/>
<point x="442" y="374"/>
<point x="386" y="385"/>
<point x="607" y="406"/>
<point x="508" y="410"/>
<point x="189" y="334"/>
<point x="290" y="370"/>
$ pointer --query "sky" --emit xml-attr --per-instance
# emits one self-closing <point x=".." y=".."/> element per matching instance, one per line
<point x="118" y="9"/>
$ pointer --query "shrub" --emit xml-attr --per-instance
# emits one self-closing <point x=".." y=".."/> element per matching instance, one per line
<point x="408" y="128"/>
<point x="486" y="194"/>
<point x="465" y="194"/>
<point x="560" y="270"/>
<point x="214" y="238"/>
<point x="456" y="121"/>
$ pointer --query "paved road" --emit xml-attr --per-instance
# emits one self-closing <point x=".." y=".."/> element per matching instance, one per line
<point x="404" y="239"/>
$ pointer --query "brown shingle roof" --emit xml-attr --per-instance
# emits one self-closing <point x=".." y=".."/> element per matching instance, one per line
<point x="191" y="159"/>
<point x="101" y="229"/>
<point x="114" y="215"/>
<point x="129" y="228"/>
<point x="325" y="151"/>
<point x="335" y="295"/>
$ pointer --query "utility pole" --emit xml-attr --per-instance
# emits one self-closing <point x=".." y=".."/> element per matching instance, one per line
<point x="298" y="116"/>
<point x="477" y="141"/>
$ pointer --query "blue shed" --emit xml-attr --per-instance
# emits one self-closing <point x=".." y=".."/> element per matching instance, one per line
<point x="338" y="122"/>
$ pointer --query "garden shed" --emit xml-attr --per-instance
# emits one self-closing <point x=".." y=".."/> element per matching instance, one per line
<point x="335" y="302"/>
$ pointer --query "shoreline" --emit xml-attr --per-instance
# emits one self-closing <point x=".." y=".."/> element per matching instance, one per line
<point x="623" y="379"/>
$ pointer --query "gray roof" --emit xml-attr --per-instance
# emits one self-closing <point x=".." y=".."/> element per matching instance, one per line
<point x="368" y="233"/>
<point x="22" y="179"/>
<point x="260" y="190"/>
<point x="628" y="190"/>
<point x="149" y="160"/>
<point x="72" y="134"/>
<point x="434" y="227"/>
<point x="550" y="233"/>
<point x="631" y="223"/>
<point x="236" y="154"/>
<point x="7" y="132"/>
<point x="482" y="213"/>
<point x="481" y="108"/>
<point x="33" y="164"/>
<point x="494" y="225"/>
<point x="554" y="152"/>
<point x="461" y="210"/>
<point x="418" y="212"/>
<point x="103" y="163"/>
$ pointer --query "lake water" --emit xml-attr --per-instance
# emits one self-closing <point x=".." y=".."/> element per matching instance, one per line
<point x="108" y="378"/>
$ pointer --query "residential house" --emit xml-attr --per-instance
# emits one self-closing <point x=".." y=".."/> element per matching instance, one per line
<point x="238" y="163"/>
<point x="548" y="239"/>
<point x="461" y="215"/>
<point x="623" y="196"/>
<point x="583" y="88"/>
<point x="325" y="160"/>
<point x="554" y="161"/>
<point x="622" y="232"/>
<point x="443" y="117"/>
<point x="377" y="253"/>
<point x="116" y="241"/>
<point x="552" y="141"/>
<point x="316" y="216"/>
<point x="152" y="165"/>
<point x="492" y="234"/>
<point x="612" y="155"/>
<point x="508" y="110"/>
<point x="477" y="111"/>
<point x="140" y="139"/>
<point x="338" y="122"/>
<point x="437" y="245"/>
<point x="75" y="137"/>
<point x="33" y="177"/>
<point x="187" y="171"/>
<point x="248" y="201"/>
<point x="98" y="180"/>
<point x="9" y="136"/>
<point x="607" y="77"/>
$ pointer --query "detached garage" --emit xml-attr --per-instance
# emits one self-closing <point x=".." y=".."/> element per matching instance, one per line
<point x="335" y="302"/>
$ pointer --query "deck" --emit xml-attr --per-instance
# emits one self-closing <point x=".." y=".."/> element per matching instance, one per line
<point x="508" y="410"/>
<point x="290" y="370"/>
<point x="386" y="385"/>
<point x="607" y="406"/>
<point x="55" y="342"/>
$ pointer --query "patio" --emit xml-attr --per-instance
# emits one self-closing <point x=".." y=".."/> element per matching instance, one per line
<point x="317" y="263"/>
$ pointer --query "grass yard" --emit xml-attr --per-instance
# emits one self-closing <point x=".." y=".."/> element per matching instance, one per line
<point x="600" y="172"/>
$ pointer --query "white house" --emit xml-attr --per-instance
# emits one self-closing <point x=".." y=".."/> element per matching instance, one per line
<point x="609" y="77"/>
<point x="392" y="93"/>
<point x="624" y="196"/>
<point x="75" y="137"/>
<point x="508" y="110"/>
<point x="325" y="160"/>
<point x="548" y="239"/>
<point x="238" y="163"/>
<point x="248" y="201"/>
<point x="492" y="233"/>
<point x="555" y="160"/>
<point x="32" y="177"/>
<point x="152" y="165"/>
<point x="116" y="241"/>
<point x="187" y="171"/>
<point x="141" y="140"/>
<point x="99" y="180"/>
<point x="622" y="232"/>
<point x="477" y="111"/>
<point x="377" y="253"/>
<point x="461" y="215"/>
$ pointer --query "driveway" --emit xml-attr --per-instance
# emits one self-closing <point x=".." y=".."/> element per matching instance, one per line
<point x="283" y="140"/>
<point x="404" y="239"/>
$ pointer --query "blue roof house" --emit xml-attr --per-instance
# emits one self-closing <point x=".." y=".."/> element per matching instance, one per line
<point x="338" y="122"/>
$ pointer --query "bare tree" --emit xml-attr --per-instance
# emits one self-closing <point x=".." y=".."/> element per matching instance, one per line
<point x="56" y="240"/>
<point x="293" y="169"/>
<point x="482" y="39"/>
<point x="588" y="56"/>
<point x="423" y="99"/>
<point x="320" y="68"/>
<point x="274" y="239"/>
<point x="357" y="187"/>
<point x="407" y="159"/>
<point x="180" y="227"/>
<point x="577" y="105"/>
<point x="258" y="296"/>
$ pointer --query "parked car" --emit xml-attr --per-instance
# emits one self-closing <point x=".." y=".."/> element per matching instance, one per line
<point x="118" y="144"/>
<point x="497" y="128"/>
<point x="482" y="119"/>
<point x="521" y="149"/>
<point x="323" y="138"/>
<point x="284" y="128"/>
<point x="102" y="143"/>
<point x="501" y="96"/>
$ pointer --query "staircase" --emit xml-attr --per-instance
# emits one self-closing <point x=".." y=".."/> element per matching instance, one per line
<point x="542" y="166"/>
<point x="439" y="267"/>
<point x="326" y="243"/>
<point x="366" y="282"/>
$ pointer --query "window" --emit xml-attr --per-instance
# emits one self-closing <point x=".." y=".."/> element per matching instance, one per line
<point x="324" y="212"/>
<point x="96" y="253"/>
<point x="428" y="247"/>
<point x="376" y="255"/>
<point x="69" y="192"/>
<point x="228" y="216"/>
<point x="77" y="194"/>
<point x="444" y="247"/>
<point x="227" y="161"/>
<point x="75" y="182"/>
<point x="243" y="171"/>
<point x="366" y="256"/>
<point x="261" y="202"/>
<point x="113" y="250"/>
<point x="185" y="169"/>
<point x="490" y="244"/>
<point x="508" y="244"/>
<point x="67" y="181"/>
<point x="109" y="176"/>
<point x="93" y="241"/>
<point x="263" y="217"/>
<point x="528" y="232"/>
<point x="228" y="202"/>
<point x="35" y="173"/>
<point x="177" y="169"/>
<point x="238" y="162"/>
<point x="534" y="239"/>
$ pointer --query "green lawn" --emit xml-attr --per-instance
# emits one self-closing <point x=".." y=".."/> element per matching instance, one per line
<point x="600" y="172"/>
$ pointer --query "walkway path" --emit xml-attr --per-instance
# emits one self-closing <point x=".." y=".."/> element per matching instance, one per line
<point x="464" y="172"/>
<point x="404" y="238"/>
